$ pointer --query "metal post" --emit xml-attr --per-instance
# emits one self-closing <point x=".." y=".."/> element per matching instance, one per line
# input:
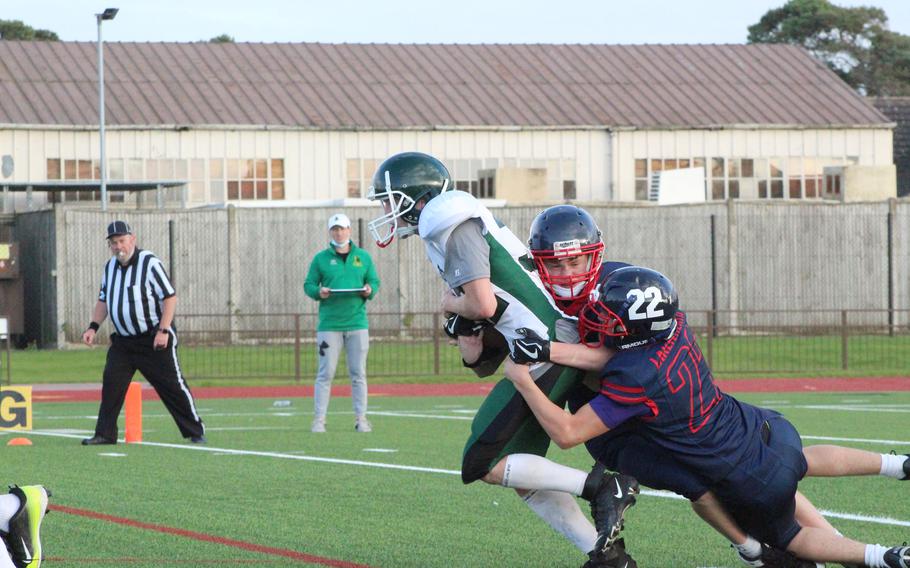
<point x="713" y="277"/>
<point x="9" y="373"/>
<point x="844" y="338"/>
<point x="436" y="328"/>
<point x="170" y="251"/>
<point x="712" y="322"/>
<point x="889" y="256"/>
<point x="297" y="348"/>
<point x="103" y="167"/>
<point x="107" y="14"/>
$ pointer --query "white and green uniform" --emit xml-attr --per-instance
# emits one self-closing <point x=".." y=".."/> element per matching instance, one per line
<point x="504" y="424"/>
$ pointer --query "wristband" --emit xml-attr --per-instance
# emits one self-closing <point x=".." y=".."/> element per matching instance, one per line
<point x="94" y="326"/>
<point x="162" y="330"/>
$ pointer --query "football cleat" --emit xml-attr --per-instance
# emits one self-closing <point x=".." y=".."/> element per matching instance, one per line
<point x="615" y="557"/>
<point x="775" y="558"/>
<point x="906" y="468"/>
<point x="899" y="556"/>
<point x="362" y="424"/>
<point x="318" y="425"/>
<point x="610" y="494"/>
<point x="24" y="540"/>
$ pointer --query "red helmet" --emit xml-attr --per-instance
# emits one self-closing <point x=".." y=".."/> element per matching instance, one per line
<point x="566" y="231"/>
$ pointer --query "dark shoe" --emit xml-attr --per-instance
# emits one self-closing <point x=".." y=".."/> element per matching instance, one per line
<point x="198" y="440"/>
<point x="906" y="468"/>
<point x="899" y="556"/>
<point x="615" y="557"/>
<point x="610" y="494"/>
<point x="774" y="558"/>
<point x="25" y="525"/>
<point x="98" y="441"/>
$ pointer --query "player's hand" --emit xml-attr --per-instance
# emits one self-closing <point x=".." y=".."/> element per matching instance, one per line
<point x="324" y="292"/>
<point x="160" y="341"/>
<point x="456" y="325"/>
<point x="530" y="347"/>
<point x="88" y="336"/>
<point x="367" y="290"/>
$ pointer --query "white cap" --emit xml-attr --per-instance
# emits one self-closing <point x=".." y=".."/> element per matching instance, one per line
<point x="339" y="220"/>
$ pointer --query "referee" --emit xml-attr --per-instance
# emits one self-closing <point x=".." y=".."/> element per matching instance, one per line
<point x="139" y="297"/>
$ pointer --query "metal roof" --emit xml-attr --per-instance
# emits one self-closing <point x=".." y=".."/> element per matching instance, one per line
<point x="400" y="86"/>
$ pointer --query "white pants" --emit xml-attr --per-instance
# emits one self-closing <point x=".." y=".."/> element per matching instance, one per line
<point x="356" y="344"/>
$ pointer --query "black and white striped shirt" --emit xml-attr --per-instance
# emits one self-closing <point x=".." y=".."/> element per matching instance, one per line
<point x="133" y="293"/>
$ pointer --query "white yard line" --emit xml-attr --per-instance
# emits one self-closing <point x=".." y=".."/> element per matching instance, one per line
<point x="420" y="469"/>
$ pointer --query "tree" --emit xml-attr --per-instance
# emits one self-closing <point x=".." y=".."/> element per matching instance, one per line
<point x="854" y="42"/>
<point x="16" y="29"/>
<point x="223" y="38"/>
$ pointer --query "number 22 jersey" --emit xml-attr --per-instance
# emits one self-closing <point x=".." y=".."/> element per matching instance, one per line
<point x="668" y="387"/>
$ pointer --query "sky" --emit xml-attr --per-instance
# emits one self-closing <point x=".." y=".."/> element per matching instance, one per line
<point x="410" y="21"/>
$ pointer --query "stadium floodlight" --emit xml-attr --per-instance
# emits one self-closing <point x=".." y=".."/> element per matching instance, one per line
<point x="107" y="14"/>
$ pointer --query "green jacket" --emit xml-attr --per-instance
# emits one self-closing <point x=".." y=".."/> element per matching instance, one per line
<point x="344" y="311"/>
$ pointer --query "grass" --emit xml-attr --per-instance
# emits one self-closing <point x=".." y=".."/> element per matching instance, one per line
<point x="414" y="362"/>
<point x="265" y="480"/>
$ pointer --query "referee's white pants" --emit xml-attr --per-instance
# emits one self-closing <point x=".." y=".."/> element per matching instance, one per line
<point x="356" y="344"/>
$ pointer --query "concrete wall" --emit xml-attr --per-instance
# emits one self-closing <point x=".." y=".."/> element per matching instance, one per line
<point x="766" y="256"/>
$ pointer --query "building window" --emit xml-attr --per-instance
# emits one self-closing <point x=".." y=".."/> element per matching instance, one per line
<point x="249" y="179"/>
<point x="646" y="170"/>
<point x="360" y="176"/>
<point x="61" y="169"/>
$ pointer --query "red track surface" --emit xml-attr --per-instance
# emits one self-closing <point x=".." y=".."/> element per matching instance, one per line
<point x="61" y="393"/>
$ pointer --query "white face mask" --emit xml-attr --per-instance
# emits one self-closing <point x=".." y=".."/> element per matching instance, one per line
<point x="339" y="245"/>
<point x="564" y="292"/>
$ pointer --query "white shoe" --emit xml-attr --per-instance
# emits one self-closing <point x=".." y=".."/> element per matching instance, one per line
<point x="362" y="424"/>
<point x="318" y="424"/>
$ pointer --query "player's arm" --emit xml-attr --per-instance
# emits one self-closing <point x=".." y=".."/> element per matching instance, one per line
<point x="477" y="302"/>
<point x="530" y="347"/>
<point x="567" y="430"/>
<point x="99" y="314"/>
<point x="579" y="356"/>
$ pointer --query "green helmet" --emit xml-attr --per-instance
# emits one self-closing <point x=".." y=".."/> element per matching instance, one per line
<point x="399" y="184"/>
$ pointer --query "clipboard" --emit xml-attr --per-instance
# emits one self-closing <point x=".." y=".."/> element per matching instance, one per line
<point x="346" y="290"/>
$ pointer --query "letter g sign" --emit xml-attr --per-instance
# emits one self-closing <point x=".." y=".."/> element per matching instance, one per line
<point x="16" y="408"/>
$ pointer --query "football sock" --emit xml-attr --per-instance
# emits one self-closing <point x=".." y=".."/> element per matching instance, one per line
<point x="750" y="549"/>
<point x="9" y="506"/>
<point x="527" y="471"/>
<point x="875" y="556"/>
<point x="5" y="560"/>
<point x="893" y="466"/>
<point x="561" y="511"/>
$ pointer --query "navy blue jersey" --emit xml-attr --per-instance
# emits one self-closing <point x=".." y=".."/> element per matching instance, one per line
<point x="678" y="405"/>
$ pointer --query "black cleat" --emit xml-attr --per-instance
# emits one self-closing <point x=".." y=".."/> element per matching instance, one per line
<point x="615" y="557"/>
<point x="98" y="441"/>
<point x="199" y="439"/>
<point x="899" y="556"/>
<point x="610" y="494"/>
<point x="906" y="468"/>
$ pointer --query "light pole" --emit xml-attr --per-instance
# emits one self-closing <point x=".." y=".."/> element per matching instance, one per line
<point x="107" y="14"/>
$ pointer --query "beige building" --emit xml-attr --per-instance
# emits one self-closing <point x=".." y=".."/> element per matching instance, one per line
<point x="308" y="123"/>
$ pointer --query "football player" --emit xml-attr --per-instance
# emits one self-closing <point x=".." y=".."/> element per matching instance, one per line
<point x="21" y="512"/>
<point x="652" y="368"/>
<point x="490" y="280"/>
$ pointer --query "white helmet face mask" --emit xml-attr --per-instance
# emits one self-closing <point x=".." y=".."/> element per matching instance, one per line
<point x="566" y="292"/>
<point x="395" y="204"/>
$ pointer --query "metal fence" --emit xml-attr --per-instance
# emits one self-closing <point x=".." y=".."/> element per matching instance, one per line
<point x="736" y="257"/>
<point x="282" y="346"/>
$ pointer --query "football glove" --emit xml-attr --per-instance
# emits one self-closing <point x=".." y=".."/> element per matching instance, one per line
<point x="456" y="325"/>
<point x="530" y="347"/>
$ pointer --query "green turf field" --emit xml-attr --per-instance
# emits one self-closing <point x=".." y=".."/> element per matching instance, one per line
<point x="391" y="498"/>
<point x="416" y="362"/>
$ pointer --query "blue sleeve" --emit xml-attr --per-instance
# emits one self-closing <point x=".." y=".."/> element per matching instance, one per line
<point x="613" y="414"/>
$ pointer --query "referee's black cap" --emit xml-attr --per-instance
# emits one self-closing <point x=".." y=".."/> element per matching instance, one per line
<point x="118" y="228"/>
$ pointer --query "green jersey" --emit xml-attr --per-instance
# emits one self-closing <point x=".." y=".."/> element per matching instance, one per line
<point x="343" y="311"/>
